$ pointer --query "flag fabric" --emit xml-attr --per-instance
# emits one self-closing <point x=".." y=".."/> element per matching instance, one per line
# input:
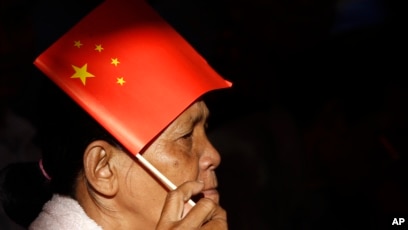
<point x="129" y="69"/>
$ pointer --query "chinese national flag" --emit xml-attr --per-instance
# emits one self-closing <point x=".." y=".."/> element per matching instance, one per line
<point x="128" y="69"/>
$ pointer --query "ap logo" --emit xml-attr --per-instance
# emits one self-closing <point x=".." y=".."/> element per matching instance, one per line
<point x="398" y="221"/>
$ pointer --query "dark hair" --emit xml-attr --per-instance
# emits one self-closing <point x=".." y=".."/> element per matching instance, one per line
<point x="64" y="131"/>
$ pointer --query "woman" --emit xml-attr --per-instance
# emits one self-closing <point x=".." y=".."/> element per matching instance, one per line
<point x="91" y="176"/>
<point x="112" y="188"/>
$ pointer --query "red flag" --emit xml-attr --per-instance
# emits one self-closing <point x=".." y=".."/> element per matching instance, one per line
<point x="128" y="69"/>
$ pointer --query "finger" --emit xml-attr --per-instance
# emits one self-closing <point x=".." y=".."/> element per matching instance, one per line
<point x="204" y="212"/>
<point x="218" y="220"/>
<point x="174" y="205"/>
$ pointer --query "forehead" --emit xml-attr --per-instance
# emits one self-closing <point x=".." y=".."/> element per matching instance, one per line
<point x="196" y="112"/>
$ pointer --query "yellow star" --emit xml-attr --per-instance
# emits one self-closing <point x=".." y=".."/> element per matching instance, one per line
<point x="78" y="44"/>
<point x="120" y="80"/>
<point x="115" y="61"/>
<point x="81" y="73"/>
<point x="99" y="48"/>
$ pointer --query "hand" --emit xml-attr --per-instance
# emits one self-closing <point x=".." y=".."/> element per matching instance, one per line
<point x="206" y="214"/>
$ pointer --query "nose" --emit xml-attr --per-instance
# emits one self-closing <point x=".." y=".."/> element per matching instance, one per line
<point x="210" y="158"/>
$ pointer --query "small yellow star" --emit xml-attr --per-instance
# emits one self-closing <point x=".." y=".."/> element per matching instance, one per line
<point x="78" y="44"/>
<point x="115" y="61"/>
<point x="120" y="81"/>
<point x="81" y="73"/>
<point x="99" y="48"/>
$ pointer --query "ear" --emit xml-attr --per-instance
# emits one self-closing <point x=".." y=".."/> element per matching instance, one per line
<point x="99" y="169"/>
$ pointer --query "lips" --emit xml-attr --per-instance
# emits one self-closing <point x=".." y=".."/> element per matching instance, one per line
<point x="211" y="194"/>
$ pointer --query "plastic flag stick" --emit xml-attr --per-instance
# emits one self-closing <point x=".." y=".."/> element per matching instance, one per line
<point x="159" y="175"/>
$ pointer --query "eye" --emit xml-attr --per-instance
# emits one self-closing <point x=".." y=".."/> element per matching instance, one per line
<point x="188" y="135"/>
<point x="186" y="141"/>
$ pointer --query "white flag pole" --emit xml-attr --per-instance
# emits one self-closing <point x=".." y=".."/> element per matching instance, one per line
<point x="159" y="175"/>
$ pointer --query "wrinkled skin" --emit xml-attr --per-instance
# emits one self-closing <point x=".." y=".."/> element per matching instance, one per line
<point x="123" y="194"/>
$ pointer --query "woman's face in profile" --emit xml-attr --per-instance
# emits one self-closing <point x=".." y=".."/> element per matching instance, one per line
<point x="182" y="153"/>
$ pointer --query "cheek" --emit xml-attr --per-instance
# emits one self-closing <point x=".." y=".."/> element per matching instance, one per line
<point x="183" y="161"/>
<point x="132" y="178"/>
<point x="176" y="164"/>
<point x="180" y="164"/>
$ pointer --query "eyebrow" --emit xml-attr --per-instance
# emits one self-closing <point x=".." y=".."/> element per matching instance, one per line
<point x="203" y="114"/>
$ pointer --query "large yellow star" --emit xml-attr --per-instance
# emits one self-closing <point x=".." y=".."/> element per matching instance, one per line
<point x="81" y="73"/>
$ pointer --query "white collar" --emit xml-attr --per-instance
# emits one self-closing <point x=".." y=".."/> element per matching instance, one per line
<point x="63" y="213"/>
